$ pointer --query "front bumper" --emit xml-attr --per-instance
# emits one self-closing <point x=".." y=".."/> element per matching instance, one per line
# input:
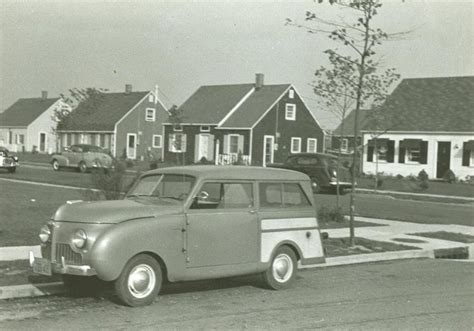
<point x="46" y="267"/>
<point x="341" y="184"/>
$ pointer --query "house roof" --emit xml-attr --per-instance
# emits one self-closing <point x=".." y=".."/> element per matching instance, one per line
<point x="25" y="111"/>
<point x="101" y="113"/>
<point x="431" y="104"/>
<point x="210" y="104"/>
<point x="348" y="122"/>
<point x="255" y="106"/>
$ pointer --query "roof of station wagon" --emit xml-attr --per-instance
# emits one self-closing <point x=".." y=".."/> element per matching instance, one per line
<point x="233" y="172"/>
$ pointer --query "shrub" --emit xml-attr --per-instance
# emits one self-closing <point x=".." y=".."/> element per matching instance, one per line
<point x="399" y="176"/>
<point x="327" y="215"/>
<point x="153" y="164"/>
<point x="129" y="163"/>
<point x="423" y="178"/>
<point x="449" y="176"/>
<point x="109" y="184"/>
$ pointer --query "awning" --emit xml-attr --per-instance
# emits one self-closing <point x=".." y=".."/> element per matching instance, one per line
<point x="410" y="143"/>
<point x="469" y="145"/>
<point x="380" y="142"/>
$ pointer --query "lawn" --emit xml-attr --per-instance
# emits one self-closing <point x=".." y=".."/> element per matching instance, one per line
<point x="406" y="185"/>
<point x="444" y="235"/>
<point x="25" y="208"/>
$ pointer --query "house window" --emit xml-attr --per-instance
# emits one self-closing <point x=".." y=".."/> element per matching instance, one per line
<point x="290" y="112"/>
<point x="178" y="128"/>
<point x="291" y="94"/>
<point x="312" y="145"/>
<point x="10" y="137"/>
<point x="151" y="98"/>
<point x="413" y="151"/>
<point x="381" y="150"/>
<point x="295" y="145"/>
<point x="177" y="143"/>
<point x="344" y="144"/>
<point x="205" y="128"/>
<point x="150" y="114"/>
<point x="233" y="144"/>
<point x="20" y="139"/>
<point x="156" y="141"/>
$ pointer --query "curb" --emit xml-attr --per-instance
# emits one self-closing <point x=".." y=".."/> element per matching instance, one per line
<point x="30" y="290"/>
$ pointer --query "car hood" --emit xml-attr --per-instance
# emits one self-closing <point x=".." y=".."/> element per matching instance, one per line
<point x="113" y="211"/>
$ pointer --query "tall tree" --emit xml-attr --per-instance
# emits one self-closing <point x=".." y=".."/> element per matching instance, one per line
<point x="354" y="70"/>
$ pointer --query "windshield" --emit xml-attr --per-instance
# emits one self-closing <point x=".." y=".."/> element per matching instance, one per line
<point x="163" y="186"/>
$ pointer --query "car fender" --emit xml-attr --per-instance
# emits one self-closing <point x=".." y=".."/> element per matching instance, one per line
<point x="118" y="244"/>
<point x="62" y="160"/>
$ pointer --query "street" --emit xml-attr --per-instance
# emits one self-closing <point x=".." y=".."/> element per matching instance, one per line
<point x="411" y="294"/>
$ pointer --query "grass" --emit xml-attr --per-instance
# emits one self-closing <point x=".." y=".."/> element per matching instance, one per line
<point x="444" y="235"/>
<point x="406" y="185"/>
<point x="341" y="247"/>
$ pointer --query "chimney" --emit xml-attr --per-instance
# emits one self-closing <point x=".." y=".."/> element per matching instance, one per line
<point x="44" y="95"/>
<point x="128" y="88"/>
<point x="258" y="81"/>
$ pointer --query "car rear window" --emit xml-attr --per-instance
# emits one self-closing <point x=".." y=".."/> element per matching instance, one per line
<point x="282" y="195"/>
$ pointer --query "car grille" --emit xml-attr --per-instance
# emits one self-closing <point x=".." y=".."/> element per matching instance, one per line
<point x="70" y="257"/>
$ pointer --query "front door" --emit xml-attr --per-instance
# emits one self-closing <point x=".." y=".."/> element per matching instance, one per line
<point x="444" y="157"/>
<point x="268" y="149"/>
<point x="131" y="146"/>
<point x="42" y="142"/>
<point x="203" y="147"/>
<point x="222" y="226"/>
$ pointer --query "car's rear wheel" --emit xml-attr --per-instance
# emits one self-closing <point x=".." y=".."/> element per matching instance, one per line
<point x="140" y="281"/>
<point x="82" y="167"/>
<point x="55" y="165"/>
<point x="282" y="270"/>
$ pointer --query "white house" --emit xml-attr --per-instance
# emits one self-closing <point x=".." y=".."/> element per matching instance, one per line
<point x="28" y="125"/>
<point x="428" y="126"/>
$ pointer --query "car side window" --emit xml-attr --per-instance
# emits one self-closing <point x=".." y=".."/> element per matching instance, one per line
<point x="307" y="160"/>
<point x="282" y="195"/>
<point x="215" y="195"/>
<point x="76" y="149"/>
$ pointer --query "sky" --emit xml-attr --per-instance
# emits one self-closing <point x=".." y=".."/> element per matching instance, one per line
<point x="179" y="45"/>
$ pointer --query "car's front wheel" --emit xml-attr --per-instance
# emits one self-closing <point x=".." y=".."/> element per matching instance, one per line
<point x="282" y="270"/>
<point x="140" y="281"/>
<point x="55" y="165"/>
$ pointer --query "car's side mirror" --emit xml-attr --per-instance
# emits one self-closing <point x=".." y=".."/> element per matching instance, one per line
<point x="203" y="195"/>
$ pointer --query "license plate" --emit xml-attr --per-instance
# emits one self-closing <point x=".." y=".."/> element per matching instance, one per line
<point x="42" y="266"/>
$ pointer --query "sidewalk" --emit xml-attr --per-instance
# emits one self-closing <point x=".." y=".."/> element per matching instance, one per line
<point x="388" y="231"/>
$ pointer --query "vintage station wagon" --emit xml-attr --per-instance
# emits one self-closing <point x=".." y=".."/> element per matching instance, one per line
<point x="187" y="223"/>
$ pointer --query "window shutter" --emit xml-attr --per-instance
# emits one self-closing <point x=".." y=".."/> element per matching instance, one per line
<point x="370" y="153"/>
<point x="401" y="155"/>
<point x="423" y="152"/>
<point x="466" y="155"/>
<point x="390" y="151"/>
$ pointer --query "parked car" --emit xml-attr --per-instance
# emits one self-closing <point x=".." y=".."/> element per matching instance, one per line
<point x="83" y="157"/>
<point x="8" y="161"/>
<point x="321" y="168"/>
<point x="186" y="223"/>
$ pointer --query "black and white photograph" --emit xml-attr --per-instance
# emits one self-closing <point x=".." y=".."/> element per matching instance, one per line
<point x="234" y="165"/>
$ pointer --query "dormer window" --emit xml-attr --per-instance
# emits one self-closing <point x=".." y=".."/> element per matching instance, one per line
<point x="291" y="94"/>
<point x="290" y="112"/>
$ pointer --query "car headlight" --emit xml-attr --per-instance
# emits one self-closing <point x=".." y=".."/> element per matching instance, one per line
<point x="79" y="238"/>
<point x="44" y="233"/>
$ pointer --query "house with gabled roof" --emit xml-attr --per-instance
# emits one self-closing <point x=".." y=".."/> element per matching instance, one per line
<point x="343" y="136"/>
<point x="253" y="124"/>
<point x="28" y="125"/>
<point x="128" y="124"/>
<point x="428" y="125"/>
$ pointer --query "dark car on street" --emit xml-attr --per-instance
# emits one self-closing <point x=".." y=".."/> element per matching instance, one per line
<point x="82" y="157"/>
<point x="8" y="161"/>
<point x="321" y="168"/>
